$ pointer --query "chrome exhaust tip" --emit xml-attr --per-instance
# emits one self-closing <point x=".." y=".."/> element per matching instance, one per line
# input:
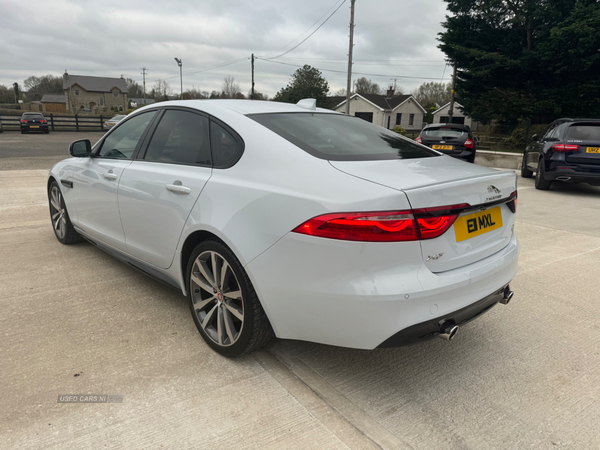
<point x="448" y="330"/>
<point x="563" y="178"/>
<point x="508" y="295"/>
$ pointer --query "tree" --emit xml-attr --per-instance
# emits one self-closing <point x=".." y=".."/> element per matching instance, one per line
<point x="231" y="89"/>
<point x="306" y="82"/>
<point x="364" y="86"/>
<point x="134" y="89"/>
<point x="47" y="84"/>
<point x="258" y="95"/>
<point x="195" y="93"/>
<point x="161" y="91"/>
<point x="7" y="94"/>
<point x="519" y="58"/>
<point x="432" y="93"/>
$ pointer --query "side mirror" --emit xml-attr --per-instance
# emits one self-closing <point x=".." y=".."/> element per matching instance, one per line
<point x="534" y="137"/>
<point x="80" y="149"/>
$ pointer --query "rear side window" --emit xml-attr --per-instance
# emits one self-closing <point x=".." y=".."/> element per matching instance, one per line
<point x="341" y="138"/>
<point x="121" y="143"/>
<point x="227" y="149"/>
<point x="584" y="132"/>
<point x="444" y="133"/>
<point x="181" y="137"/>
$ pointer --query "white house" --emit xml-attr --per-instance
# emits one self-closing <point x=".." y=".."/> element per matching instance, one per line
<point x="386" y="110"/>
<point x="440" y="115"/>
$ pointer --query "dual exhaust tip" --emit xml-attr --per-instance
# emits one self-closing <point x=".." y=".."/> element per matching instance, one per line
<point x="448" y="329"/>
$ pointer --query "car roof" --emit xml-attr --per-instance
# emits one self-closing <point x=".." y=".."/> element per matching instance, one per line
<point x="243" y="107"/>
<point x="448" y="125"/>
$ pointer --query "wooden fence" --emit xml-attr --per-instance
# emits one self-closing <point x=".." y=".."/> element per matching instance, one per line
<point x="60" y="123"/>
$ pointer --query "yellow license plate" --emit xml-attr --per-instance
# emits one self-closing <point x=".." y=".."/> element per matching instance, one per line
<point x="110" y="123"/>
<point x="592" y="150"/>
<point x="442" y="147"/>
<point x="34" y="126"/>
<point x="478" y="223"/>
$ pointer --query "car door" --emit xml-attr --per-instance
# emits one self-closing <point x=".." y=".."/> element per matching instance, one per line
<point x="96" y="179"/>
<point x="158" y="190"/>
<point x="536" y="149"/>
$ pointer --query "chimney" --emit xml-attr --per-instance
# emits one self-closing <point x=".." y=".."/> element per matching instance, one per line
<point x="390" y="92"/>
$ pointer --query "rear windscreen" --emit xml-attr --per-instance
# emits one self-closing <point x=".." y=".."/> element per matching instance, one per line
<point x="584" y="132"/>
<point x="444" y="133"/>
<point x="341" y="138"/>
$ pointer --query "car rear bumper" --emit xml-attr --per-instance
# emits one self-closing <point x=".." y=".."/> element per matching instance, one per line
<point x="362" y="295"/>
<point x="576" y="173"/>
<point x="40" y="127"/>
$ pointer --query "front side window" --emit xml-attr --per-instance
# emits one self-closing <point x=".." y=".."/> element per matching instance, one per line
<point x="181" y="137"/>
<point x="340" y="137"/>
<point x="121" y="143"/>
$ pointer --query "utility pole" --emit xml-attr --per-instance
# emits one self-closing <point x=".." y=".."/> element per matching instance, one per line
<point x="144" y="82"/>
<point x="252" y="92"/>
<point x="451" y="112"/>
<point x="180" y="64"/>
<point x="349" y="82"/>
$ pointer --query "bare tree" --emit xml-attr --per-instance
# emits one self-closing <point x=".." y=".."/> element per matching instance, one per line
<point x="231" y="89"/>
<point x="195" y="93"/>
<point x="432" y="94"/>
<point x="364" y="86"/>
<point x="161" y="90"/>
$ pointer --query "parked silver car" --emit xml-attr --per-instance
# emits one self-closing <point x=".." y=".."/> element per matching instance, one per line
<point x="112" y="122"/>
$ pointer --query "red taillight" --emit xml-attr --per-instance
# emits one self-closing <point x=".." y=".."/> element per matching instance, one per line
<point x="418" y="140"/>
<point x="23" y="121"/>
<point x="385" y="226"/>
<point x="469" y="143"/>
<point x="43" y="121"/>
<point x="563" y="148"/>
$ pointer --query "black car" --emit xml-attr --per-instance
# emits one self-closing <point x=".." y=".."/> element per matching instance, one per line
<point x="450" y="138"/>
<point x="33" y="122"/>
<point x="568" y="151"/>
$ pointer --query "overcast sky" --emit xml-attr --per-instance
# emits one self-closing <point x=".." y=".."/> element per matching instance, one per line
<point x="393" y="39"/>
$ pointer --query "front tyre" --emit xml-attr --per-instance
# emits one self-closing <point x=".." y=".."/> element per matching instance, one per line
<point x="61" y="224"/>
<point x="223" y="302"/>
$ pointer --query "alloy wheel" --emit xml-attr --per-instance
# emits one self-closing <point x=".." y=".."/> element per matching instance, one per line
<point x="217" y="298"/>
<point x="57" y="212"/>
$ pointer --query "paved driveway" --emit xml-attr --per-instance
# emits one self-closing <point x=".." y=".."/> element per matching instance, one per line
<point x="76" y="321"/>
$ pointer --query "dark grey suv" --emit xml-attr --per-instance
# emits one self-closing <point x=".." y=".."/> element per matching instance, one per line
<point x="452" y="139"/>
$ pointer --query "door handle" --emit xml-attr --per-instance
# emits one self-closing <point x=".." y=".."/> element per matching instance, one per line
<point x="178" y="188"/>
<point x="109" y="175"/>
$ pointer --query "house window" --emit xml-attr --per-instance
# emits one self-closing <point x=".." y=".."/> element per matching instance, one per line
<point x="120" y="108"/>
<point x="76" y="91"/>
<point x="389" y="118"/>
<point x="115" y="93"/>
<point x="398" y="118"/>
<point x="411" y="119"/>
<point x="444" y="119"/>
<point x="101" y="101"/>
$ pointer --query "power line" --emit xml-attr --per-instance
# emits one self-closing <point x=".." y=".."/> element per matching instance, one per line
<point x="307" y="37"/>
<point x="302" y="34"/>
<point x="357" y="73"/>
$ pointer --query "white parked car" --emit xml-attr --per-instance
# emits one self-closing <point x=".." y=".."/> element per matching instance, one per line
<point x="293" y="221"/>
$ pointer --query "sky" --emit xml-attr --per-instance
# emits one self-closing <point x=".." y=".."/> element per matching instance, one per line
<point x="393" y="40"/>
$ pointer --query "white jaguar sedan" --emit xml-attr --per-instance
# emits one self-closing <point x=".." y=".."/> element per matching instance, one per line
<point x="293" y="221"/>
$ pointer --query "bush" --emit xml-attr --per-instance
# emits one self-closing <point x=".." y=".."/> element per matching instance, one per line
<point x="517" y="138"/>
<point x="398" y="129"/>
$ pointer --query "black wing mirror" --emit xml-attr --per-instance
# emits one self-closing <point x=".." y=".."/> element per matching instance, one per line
<point x="534" y="137"/>
<point x="80" y="149"/>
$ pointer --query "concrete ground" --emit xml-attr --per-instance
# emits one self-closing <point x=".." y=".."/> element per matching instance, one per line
<point x="76" y="321"/>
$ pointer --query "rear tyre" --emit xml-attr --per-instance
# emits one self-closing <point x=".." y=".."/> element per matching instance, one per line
<point x="525" y="172"/>
<point x="61" y="224"/>
<point x="540" y="181"/>
<point x="224" y="305"/>
<point x="47" y="131"/>
<point x="22" y="131"/>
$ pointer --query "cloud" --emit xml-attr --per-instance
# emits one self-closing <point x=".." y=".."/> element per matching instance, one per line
<point x="113" y="38"/>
